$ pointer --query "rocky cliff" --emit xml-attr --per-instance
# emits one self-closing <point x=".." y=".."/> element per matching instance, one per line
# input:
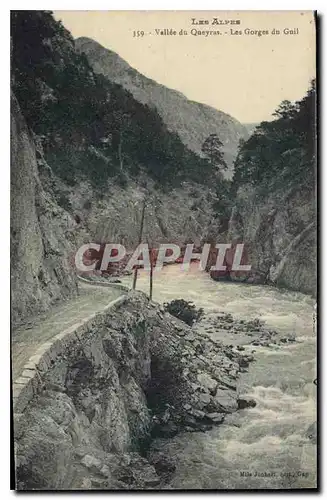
<point x="280" y="234"/>
<point x="180" y="215"/>
<point x="42" y="238"/>
<point x="104" y="391"/>
<point x="274" y="186"/>
<point x="50" y="220"/>
<point x="192" y="121"/>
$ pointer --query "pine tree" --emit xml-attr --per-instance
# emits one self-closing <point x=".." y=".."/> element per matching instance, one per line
<point x="211" y="148"/>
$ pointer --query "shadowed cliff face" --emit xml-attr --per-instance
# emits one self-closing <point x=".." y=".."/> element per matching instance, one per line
<point x="40" y="249"/>
<point x="192" y="121"/>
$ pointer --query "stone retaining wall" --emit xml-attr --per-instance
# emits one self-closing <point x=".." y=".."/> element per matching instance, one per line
<point x="103" y="283"/>
<point x="30" y="383"/>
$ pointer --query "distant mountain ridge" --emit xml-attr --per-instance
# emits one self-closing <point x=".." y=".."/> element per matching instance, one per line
<point x="191" y="120"/>
<point x="250" y="127"/>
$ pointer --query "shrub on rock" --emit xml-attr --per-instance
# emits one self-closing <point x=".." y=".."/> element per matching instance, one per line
<point x="184" y="310"/>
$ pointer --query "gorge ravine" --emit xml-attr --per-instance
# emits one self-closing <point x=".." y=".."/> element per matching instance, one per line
<point x="263" y="447"/>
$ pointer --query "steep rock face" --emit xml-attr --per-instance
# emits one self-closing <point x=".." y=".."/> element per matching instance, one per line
<point x="41" y="241"/>
<point x="182" y="214"/>
<point x="92" y="407"/>
<point x="192" y="121"/>
<point x="138" y="373"/>
<point x="279" y="231"/>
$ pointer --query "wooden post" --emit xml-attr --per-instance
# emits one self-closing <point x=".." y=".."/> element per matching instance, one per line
<point x="120" y="154"/>
<point x="152" y="257"/>
<point x="140" y="239"/>
<point x="151" y="280"/>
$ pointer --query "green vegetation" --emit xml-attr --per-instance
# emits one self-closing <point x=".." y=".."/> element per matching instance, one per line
<point x="220" y="196"/>
<point x="89" y="126"/>
<point x="211" y="148"/>
<point x="184" y="310"/>
<point x="281" y="152"/>
<point x="223" y="202"/>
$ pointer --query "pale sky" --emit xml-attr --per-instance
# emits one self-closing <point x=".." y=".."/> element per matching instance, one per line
<point x="246" y="76"/>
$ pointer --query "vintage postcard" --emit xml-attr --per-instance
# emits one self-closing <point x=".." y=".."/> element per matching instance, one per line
<point x="163" y="250"/>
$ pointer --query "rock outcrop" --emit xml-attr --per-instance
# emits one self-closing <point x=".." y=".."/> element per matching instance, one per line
<point x="135" y="375"/>
<point x="180" y="215"/>
<point x="279" y="232"/>
<point x="42" y="238"/>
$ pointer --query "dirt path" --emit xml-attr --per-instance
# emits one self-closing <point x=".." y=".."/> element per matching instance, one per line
<point x="26" y="339"/>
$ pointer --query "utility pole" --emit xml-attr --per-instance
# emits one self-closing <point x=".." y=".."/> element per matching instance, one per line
<point x="140" y="238"/>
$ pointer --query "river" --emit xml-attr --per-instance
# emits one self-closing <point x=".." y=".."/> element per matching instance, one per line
<point x="267" y="446"/>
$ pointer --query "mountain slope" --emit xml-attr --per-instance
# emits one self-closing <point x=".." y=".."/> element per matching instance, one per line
<point x="84" y="154"/>
<point x="89" y="126"/>
<point x="192" y="121"/>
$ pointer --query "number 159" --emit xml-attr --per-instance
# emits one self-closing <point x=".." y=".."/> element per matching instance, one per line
<point x="138" y="33"/>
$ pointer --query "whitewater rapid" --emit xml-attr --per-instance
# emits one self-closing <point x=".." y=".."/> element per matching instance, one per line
<point x="268" y="446"/>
